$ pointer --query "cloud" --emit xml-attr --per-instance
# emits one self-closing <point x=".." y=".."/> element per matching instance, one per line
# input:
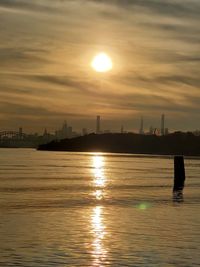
<point x="45" y="54"/>
<point x="23" y="56"/>
<point x="166" y="7"/>
<point x="31" y="6"/>
<point x="18" y="110"/>
<point x="171" y="79"/>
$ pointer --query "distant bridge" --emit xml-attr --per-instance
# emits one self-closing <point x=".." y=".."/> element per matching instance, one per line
<point x="12" y="135"/>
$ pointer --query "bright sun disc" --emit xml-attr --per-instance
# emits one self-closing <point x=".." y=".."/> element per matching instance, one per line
<point x="102" y="63"/>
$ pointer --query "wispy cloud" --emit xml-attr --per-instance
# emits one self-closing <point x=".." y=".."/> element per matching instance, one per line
<point x="46" y="47"/>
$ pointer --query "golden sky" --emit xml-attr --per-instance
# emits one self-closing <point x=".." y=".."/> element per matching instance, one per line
<point x="47" y="46"/>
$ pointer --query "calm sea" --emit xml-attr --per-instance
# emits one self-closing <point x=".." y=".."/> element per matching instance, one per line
<point x="84" y="209"/>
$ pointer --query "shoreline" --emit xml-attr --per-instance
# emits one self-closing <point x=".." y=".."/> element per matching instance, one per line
<point x="185" y="144"/>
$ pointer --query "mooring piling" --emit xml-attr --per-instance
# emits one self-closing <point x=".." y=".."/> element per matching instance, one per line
<point x="179" y="178"/>
<point x="179" y="173"/>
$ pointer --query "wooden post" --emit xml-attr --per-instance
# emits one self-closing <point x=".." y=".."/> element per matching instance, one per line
<point x="179" y="178"/>
<point x="179" y="173"/>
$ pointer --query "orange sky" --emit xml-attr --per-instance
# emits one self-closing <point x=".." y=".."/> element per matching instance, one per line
<point x="45" y="53"/>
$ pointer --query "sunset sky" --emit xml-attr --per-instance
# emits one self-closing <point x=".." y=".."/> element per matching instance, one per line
<point x="46" y="50"/>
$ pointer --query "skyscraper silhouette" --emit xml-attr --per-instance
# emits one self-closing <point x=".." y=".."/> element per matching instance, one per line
<point x="162" y="130"/>
<point x="20" y="131"/>
<point x="141" y="131"/>
<point x="98" y="124"/>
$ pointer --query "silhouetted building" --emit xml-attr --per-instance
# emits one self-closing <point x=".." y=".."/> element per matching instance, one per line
<point x="45" y="132"/>
<point x="151" y="130"/>
<point x="65" y="132"/>
<point x="20" y="131"/>
<point x="141" y="131"/>
<point x="84" y="131"/>
<point x="166" y="131"/>
<point x="122" y="129"/>
<point x="98" y="124"/>
<point x="162" y="130"/>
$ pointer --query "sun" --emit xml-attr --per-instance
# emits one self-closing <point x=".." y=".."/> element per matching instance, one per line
<point x="102" y="62"/>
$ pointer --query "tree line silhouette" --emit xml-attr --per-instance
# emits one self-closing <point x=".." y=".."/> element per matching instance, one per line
<point x="176" y="143"/>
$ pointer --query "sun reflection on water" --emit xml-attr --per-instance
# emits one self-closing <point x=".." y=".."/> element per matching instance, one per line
<point x="98" y="194"/>
<point x="98" y="231"/>
<point x="98" y="161"/>
<point x="98" y="170"/>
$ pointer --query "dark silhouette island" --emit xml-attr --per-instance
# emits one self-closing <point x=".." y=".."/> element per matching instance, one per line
<point x="172" y="144"/>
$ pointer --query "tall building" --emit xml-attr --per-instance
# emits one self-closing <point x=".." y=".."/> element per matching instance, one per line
<point x="141" y="131"/>
<point x="64" y="130"/>
<point x="98" y="124"/>
<point x="45" y="132"/>
<point x="20" y="131"/>
<point x="84" y="131"/>
<point x="162" y="130"/>
<point x="151" y="130"/>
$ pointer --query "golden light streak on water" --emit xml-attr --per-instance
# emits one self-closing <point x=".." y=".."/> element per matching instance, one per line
<point x="98" y="170"/>
<point x="98" y="161"/>
<point x="98" y="230"/>
<point x="98" y="194"/>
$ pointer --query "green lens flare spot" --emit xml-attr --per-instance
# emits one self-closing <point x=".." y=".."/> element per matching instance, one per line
<point x="143" y="206"/>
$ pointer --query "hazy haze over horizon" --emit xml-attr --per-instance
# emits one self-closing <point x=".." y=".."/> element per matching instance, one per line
<point x="47" y="46"/>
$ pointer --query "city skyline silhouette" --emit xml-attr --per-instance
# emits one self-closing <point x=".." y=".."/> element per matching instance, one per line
<point x="46" y="74"/>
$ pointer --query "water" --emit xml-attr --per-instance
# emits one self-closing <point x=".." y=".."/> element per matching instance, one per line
<point x="82" y="209"/>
